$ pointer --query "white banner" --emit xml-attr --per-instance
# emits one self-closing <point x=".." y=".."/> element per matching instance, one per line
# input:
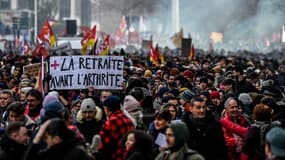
<point x="80" y="72"/>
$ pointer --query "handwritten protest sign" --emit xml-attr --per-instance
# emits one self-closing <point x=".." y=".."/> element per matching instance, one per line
<point x="32" y="69"/>
<point x="79" y="72"/>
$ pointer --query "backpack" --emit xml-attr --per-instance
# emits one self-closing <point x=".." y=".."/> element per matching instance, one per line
<point x="263" y="129"/>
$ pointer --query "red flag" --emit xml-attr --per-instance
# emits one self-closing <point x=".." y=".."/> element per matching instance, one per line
<point x="160" y="57"/>
<point x="123" y="24"/>
<point x="120" y="33"/>
<point x="85" y="30"/>
<point x="105" y="46"/>
<point x="88" y="40"/>
<point x="112" y="41"/>
<point x="192" y="53"/>
<point x="40" y="78"/>
<point x="153" y="56"/>
<point x="47" y="34"/>
<point x="40" y="51"/>
<point x="89" y="34"/>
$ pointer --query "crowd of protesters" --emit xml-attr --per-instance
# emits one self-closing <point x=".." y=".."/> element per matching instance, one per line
<point x="213" y="107"/>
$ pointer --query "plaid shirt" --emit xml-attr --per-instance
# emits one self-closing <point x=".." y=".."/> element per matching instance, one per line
<point x="111" y="133"/>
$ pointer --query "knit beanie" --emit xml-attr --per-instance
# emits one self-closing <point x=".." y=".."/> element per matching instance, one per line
<point x="147" y="73"/>
<point x="162" y="91"/>
<point x="245" y="98"/>
<point x="113" y="103"/>
<point x="88" y="105"/>
<point x="215" y="94"/>
<point x="49" y="98"/>
<point x="187" y="73"/>
<point x="131" y="104"/>
<point x="187" y="95"/>
<point x="54" y="106"/>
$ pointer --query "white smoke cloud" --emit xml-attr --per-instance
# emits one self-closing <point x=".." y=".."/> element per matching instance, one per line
<point x="236" y="19"/>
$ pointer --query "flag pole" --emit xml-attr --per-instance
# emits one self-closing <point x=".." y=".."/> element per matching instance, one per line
<point x="36" y="20"/>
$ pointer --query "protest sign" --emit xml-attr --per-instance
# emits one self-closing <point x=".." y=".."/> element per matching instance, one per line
<point x="32" y="69"/>
<point x="80" y="72"/>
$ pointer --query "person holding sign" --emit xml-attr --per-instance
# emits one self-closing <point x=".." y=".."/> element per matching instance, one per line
<point x="157" y="130"/>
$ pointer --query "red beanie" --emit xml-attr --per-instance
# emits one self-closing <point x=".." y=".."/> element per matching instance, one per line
<point x="187" y="73"/>
<point x="215" y="94"/>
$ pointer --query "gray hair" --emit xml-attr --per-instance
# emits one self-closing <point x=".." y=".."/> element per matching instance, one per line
<point x="227" y="102"/>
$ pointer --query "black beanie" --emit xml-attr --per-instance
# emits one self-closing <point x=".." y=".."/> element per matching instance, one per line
<point x="113" y="103"/>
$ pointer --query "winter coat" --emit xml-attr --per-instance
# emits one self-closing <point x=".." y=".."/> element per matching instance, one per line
<point x="252" y="144"/>
<point x="229" y="125"/>
<point x="155" y="133"/>
<point x="66" y="150"/>
<point x="183" y="154"/>
<point x="89" y="128"/>
<point x="206" y="137"/>
<point x="137" y="155"/>
<point x="232" y="135"/>
<point x="11" y="150"/>
<point x="112" y="131"/>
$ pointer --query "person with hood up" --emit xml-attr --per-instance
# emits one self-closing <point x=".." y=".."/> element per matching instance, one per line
<point x="176" y="137"/>
<point x="133" y="108"/>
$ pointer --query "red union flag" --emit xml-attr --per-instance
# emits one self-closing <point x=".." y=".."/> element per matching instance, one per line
<point x="85" y="30"/>
<point x="111" y="40"/>
<point x="123" y="24"/>
<point x="192" y="53"/>
<point x="152" y="55"/>
<point x="40" y="51"/>
<point x="120" y="32"/>
<point x="47" y="34"/>
<point x="88" y="40"/>
<point x="104" y="47"/>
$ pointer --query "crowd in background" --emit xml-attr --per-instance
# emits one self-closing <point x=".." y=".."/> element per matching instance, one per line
<point x="213" y="107"/>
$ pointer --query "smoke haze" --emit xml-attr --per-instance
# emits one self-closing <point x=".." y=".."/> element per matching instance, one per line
<point x="251" y="20"/>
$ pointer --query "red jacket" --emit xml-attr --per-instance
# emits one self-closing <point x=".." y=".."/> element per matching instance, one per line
<point x="234" y="135"/>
